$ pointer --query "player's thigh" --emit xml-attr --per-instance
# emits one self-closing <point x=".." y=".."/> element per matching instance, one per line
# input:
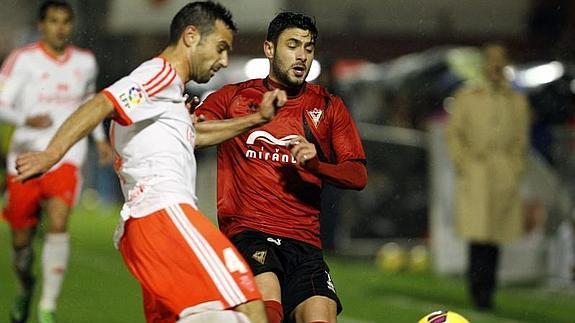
<point x="22" y="203"/>
<point x="309" y="278"/>
<point x="155" y="311"/>
<point x="63" y="183"/>
<point x="181" y="258"/>
<point x="264" y="260"/>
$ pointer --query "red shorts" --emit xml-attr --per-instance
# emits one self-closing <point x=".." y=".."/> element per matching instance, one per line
<point x="23" y="199"/>
<point x="184" y="264"/>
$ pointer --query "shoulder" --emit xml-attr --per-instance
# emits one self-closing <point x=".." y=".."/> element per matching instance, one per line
<point x="520" y="97"/>
<point x="19" y="56"/>
<point x="83" y="56"/>
<point x="82" y="51"/>
<point x="253" y="84"/>
<point x="470" y="89"/>
<point x="154" y="69"/>
<point x="252" y="87"/>
<point x="319" y="92"/>
<point x="24" y="52"/>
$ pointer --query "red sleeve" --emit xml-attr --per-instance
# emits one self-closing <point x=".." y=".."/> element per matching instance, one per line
<point x="350" y="174"/>
<point x="348" y="170"/>
<point x="346" y="142"/>
<point x="215" y="106"/>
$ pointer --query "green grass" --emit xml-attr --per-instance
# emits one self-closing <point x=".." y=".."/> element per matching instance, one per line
<point x="98" y="288"/>
<point x="373" y="296"/>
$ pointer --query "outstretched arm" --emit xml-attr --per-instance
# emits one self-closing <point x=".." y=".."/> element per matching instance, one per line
<point x="210" y="133"/>
<point x="349" y="174"/>
<point x="78" y="125"/>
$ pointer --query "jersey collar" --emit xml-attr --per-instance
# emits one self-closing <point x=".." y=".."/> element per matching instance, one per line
<point x="55" y="58"/>
<point x="292" y="93"/>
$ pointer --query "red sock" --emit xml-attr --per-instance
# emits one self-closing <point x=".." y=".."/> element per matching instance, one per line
<point x="274" y="311"/>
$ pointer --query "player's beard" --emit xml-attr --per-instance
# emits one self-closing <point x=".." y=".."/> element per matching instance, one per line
<point x="283" y="75"/>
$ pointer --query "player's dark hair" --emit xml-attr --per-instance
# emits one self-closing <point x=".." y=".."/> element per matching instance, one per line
<point x="54" y="4"/>
<point x="285" y="20"/>
<point x="203" y="15"/>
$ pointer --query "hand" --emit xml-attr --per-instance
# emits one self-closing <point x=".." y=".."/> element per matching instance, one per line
<point x="39" y="121"/>
<point x="34" y="164"/>
<point x="302" y="150"/>
<point x="198" y="118"/>
<point x="105" y="153"/>
<point x="191" y="104"/>
<point x="270" y="102"/>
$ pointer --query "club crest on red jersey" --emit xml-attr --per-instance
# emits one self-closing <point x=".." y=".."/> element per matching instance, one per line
<point x="315" y="114"/>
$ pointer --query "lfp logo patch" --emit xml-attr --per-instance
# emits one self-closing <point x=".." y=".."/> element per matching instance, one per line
<point x="135" y="95"/>
<point x="132" y="97"/>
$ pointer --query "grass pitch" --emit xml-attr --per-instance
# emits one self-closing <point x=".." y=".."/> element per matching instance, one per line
<point x="98" y="288"/>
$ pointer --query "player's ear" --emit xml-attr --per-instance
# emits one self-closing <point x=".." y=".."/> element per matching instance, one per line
<point x="191" y="36"/>
<point x="269" y="49"/>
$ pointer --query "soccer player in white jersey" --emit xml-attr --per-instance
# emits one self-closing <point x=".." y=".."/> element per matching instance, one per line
<point x="188" y="270"/>
<point x="40" y="86"/>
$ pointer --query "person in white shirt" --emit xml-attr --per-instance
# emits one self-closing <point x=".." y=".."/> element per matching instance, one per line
<point x="188" y="270"/>
<point x="40" y="86"/>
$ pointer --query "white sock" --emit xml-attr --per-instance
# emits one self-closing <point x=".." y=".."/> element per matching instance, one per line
<point x="54" y="263"/>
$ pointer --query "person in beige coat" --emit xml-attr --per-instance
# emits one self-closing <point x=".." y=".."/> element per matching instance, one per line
<point x="487" y="136"/>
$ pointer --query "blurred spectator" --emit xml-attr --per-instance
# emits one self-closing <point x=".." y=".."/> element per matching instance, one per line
<point x="487" y="136"/>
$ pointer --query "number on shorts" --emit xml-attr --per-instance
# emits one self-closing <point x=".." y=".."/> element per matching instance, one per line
<point x="233" y="262"/>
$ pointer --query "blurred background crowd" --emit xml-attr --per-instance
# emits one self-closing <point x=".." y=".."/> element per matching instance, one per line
<point x="397" y="65"/>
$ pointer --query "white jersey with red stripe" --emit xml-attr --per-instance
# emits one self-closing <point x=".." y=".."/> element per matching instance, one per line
<point x="153" y="137"/>
<point x="32" y="82"/>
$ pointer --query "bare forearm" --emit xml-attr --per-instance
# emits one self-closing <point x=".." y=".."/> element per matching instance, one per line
<point x="209" y="133"/>
<point x="80" y="124"/>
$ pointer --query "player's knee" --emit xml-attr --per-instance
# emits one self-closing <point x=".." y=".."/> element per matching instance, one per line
<point x="215" y="317"/>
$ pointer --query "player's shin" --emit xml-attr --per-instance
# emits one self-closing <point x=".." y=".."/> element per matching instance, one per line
<point x="23" y="259"/>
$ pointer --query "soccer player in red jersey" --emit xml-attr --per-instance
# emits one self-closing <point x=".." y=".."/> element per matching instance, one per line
<point x="270" y="178"/>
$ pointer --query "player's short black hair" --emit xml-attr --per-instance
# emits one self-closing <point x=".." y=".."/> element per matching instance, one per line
<point x="54" y="4"/>
<point x="286" y="20"/>
<point x="203" y="15"/>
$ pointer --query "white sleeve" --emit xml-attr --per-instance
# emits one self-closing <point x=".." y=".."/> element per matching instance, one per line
<point x="13" y="75"/>
<point x="132" y="102"/>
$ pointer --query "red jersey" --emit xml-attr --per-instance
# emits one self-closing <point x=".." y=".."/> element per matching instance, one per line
<point x="260" y="185"/>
